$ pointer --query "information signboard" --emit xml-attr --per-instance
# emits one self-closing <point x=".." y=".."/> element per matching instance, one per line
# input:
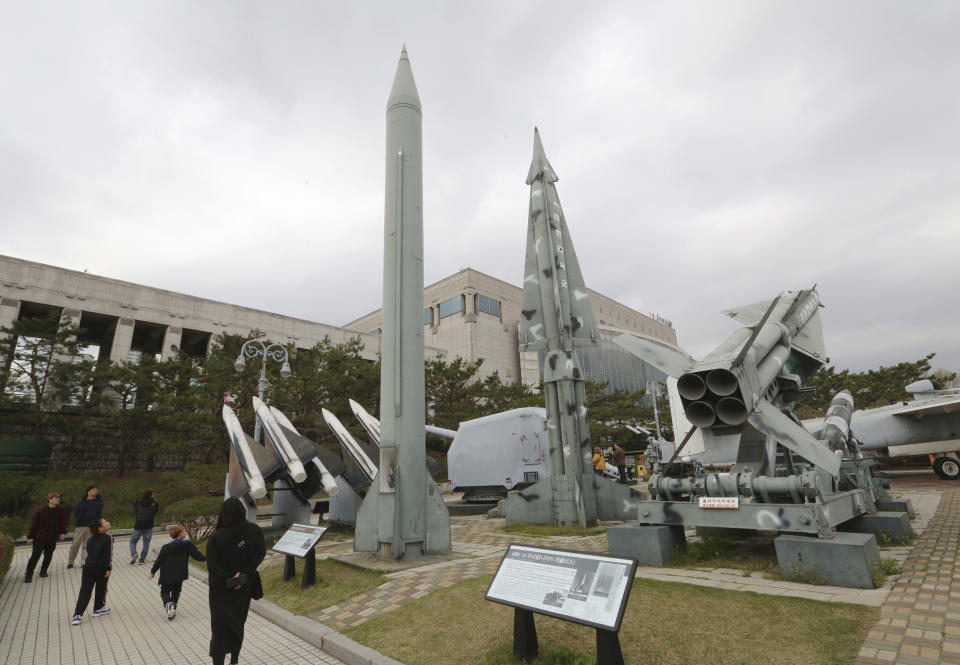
<point x="590" y="589"/>
<point x="299" y="540"/>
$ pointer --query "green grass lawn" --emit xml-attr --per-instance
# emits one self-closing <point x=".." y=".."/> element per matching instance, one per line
<point x="335" y="583"/>
<point x="665" y="624"/>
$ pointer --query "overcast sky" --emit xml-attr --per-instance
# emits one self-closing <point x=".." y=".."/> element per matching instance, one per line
<point x="710" y="154"/>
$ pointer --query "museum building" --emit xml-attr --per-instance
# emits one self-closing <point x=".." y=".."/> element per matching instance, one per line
<point x="469" y="314"/>
<point x="473" y="315"/>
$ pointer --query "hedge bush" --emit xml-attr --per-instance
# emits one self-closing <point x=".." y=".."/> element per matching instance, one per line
<point x="197" y="514"/>
<point x="12" y="526"/>
<point x="6" y="554"/>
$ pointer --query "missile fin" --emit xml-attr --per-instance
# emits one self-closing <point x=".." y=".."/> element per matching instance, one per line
<point x="670" y="362"/>
<point x="810" y="339"/>
<point x="750" y="315"/>
<point x="581" y="311"/>
<point x="532" y="331"/>
<point x="769" y="420"/>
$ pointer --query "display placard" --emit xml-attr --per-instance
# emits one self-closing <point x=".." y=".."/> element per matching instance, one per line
<point x="586" y="588"/>
<point x="299" y="539"/>
<point x="719" y="502"/>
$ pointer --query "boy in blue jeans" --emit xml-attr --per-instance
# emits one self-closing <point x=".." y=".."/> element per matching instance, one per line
<point x="172" y="564"/>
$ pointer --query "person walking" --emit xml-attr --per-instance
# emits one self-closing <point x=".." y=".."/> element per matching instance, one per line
<point x="49" y="526"/>
<point x="172" y="564"/>
<point x="144" y="511"/>
<point x="599" y="464"/>
<point x="620" y="461"/>
<point x="234" y="551"/>
<point x="88" y="511"/>
<point x="96" y="572"/>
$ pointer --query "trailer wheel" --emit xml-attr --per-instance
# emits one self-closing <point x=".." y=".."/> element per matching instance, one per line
<point x="947" y="468"/>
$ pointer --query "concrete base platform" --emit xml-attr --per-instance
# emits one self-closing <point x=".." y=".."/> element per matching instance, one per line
<point x="369" y="561"/>
<point x="848" y="559"/>
<point x="650" y="545"/>
<point x="894" y="525"/>
<point x="707" y="531"/>
<point x="897" y="506"/>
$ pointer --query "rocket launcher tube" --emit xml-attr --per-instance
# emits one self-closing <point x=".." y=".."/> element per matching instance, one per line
<point x="700" y="414"/>
<point x="691" y="386"/>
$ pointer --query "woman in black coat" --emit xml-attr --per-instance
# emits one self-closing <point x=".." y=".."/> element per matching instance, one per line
<point x="234" y="551"/>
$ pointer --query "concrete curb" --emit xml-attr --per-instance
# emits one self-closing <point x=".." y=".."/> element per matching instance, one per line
<point x="321" y="636"/>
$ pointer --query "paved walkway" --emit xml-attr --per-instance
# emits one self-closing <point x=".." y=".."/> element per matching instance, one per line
<point x="920" y="621"/>
<point x="35" y="621"/>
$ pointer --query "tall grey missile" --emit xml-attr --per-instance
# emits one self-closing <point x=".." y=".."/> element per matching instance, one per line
<point x="556" y="318"/>
<point x="402" y="514"/>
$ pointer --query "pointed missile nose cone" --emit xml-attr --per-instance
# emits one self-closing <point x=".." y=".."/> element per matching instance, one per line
<point x="540" y="166"/>
<point x="404" y="90"/>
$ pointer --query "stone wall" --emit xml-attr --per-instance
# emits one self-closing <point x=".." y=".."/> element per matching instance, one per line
<point x="90" y="443"/>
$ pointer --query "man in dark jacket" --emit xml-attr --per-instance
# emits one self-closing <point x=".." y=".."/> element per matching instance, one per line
<point x="620" y="461"/>
<point x="88" y="511"/>
<point x="144" y="511"/>
<point x="172" y="564"/>
<point x="49" y="526"/>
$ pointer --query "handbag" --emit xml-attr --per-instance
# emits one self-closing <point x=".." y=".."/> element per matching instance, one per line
<point x="256" y="586"/>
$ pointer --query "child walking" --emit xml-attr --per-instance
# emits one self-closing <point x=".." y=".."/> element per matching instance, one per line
<point x="172" y="564"/>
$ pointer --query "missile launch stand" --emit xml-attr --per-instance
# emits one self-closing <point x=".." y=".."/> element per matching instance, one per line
<point x="827" y="525"/>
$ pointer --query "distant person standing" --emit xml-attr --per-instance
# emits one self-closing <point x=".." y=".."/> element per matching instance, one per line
<point x="620" y="461"/>
<point x="96" y="572"/>
<point x="599" y="464"/>
<point x="172" y="564"/>
<point x="234" y="551"/>
<point x="88" y="511"/>
<point x="48" y="527"/>
<point x="144" y="511"/>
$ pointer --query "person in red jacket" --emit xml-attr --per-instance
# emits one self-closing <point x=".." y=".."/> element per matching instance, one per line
<point x="48" y="527"/>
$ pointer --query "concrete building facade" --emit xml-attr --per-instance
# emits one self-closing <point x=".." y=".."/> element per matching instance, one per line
<point x="122" y="320"/>
<point x="473" y="315"/>
<point x="469" y="315"/>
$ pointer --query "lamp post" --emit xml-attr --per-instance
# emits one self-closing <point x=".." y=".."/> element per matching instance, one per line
<point x="253" y="348"/>
<point x="653" y="389"/>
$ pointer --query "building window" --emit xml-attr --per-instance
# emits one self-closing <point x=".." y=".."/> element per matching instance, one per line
<point x="375" y="332"/>
<point x="452" y="306"/>
<point x="488" y="305"/>
<point x="427" y="316"/>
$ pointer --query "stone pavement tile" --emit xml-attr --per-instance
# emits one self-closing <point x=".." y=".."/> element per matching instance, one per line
<point x="35" y="628"/>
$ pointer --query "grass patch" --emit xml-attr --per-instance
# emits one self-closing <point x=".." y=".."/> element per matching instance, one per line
<point x="337" y="532"/>
<point x="336" y="582"/>
<point x="746" y="553"/>
<point x="546" y="530"/>
<point x="887" y="539"/>
<point x="665" y="624"/>
<point x="887" y="566"/>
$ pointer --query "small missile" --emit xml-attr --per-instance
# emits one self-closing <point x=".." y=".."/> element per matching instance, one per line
<point x="279" y="441"/>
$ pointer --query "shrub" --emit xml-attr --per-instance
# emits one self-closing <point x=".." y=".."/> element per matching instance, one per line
<point x="15" y="493"/>
<point x="6" y="554"/>
<point x="12" y="526"/>
<point x="198" y="515"/>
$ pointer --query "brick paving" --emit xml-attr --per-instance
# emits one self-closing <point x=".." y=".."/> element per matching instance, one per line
<point x="35" y="621"/>
<point x="920" y="620"/>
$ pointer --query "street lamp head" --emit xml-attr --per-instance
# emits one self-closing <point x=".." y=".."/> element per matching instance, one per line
<point x="240" y="364"/>
<point x="285" y="371"/>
